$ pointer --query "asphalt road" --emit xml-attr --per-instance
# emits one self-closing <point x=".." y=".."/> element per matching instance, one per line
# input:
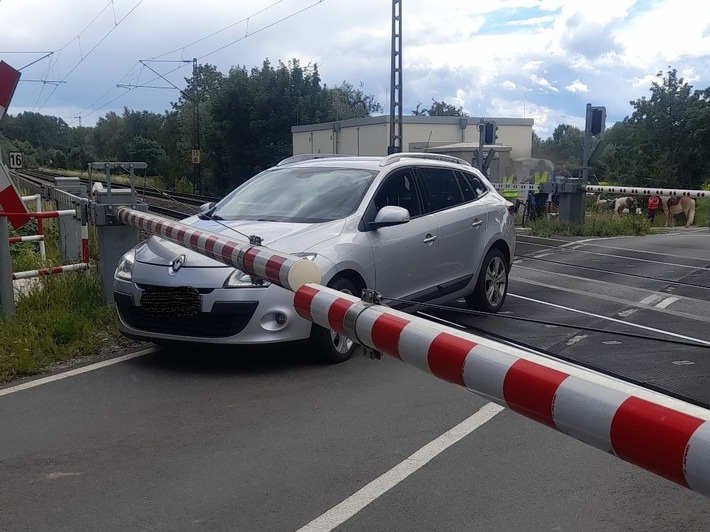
<point x="267" y="440"/>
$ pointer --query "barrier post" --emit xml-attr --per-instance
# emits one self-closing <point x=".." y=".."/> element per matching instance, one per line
<point x="40" y="229"/>
<point x="114" y="238"/>
<point x="70" y="248"/>
<point x="7" y="294"/>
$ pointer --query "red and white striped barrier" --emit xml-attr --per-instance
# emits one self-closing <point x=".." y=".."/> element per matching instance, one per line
<point x="8" y="82"/>
<point x="28" y="238"/>
<point x="50" y="271"/>
<point x="10" y="200"/>
<point x="85" y="259"/>
<point x="660" y="434"/>
<point x="288" y="271"/>
<point x="37" y="198"/>
<point x="639" y="191"/>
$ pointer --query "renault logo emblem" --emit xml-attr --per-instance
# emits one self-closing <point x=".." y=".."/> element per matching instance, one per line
<point x="177" y="263"/>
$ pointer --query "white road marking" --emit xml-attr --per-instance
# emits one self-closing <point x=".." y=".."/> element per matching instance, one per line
<point x="650" y="299"/>
<point x="625" y="302"/>
<point x="626" y="313"/>
<point x="646" y="252"/>
<point x="541" y="255"/>
<point x="675" y="264"/>
<point x="611" y="342"/>
<point x="77" y="371"/>
<point x="576" y="339"/>
<point x="636" y="325"/>
<point x="667" y="301"/>
<point x="337" y="515"/>
<point x="683" y="362"/>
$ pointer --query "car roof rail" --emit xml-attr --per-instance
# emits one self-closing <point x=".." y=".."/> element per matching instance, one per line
<point x="308" y="157"/>
<point x="396" y="157"/>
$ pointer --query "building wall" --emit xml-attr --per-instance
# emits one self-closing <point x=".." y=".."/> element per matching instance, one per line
<point x="370" y="136"/>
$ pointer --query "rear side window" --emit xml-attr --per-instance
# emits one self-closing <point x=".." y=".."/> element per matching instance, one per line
<point x="441" y="188"/>
<point x="468" y="192"/>
<point x="479" y="189"/>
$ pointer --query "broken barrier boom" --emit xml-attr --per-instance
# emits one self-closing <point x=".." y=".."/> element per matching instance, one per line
<point x="657" y="433"/>
<point x="288" y="271"/>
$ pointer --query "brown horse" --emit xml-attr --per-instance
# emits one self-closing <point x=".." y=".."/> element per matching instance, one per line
<point x="685" y="205"/>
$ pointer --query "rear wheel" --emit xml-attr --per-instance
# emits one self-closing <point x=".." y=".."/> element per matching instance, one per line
<point x="330" y="346"/>
<point x="492" y="285"/>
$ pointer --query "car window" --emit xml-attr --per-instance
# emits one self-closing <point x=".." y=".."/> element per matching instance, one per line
<point x="468" y="192"/>
<point x="301" y="194"/>
<point x="441" y="188"/>
<point x="399" y="189"/>
<point x="479" y="189"/>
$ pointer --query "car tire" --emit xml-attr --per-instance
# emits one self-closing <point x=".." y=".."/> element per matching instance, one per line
<point x="328" y="346"/>
<point x="492" y="285"/>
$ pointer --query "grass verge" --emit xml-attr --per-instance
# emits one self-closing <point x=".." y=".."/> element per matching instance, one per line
<point x="604" y="223"/>
<point x="58" y="317"/>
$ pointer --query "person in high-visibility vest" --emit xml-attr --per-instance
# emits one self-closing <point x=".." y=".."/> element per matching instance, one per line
<point x="509" y="178"/>
<point x="540" y="176"/>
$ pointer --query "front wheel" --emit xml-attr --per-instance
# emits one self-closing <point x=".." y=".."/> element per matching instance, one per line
<point x="330" y="346"/>
<point x="492" y="285"/>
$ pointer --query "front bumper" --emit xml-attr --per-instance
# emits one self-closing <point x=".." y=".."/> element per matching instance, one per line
<point x="239" y="316"/>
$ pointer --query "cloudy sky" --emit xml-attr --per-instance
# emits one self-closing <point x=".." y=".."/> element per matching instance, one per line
<point x="542" y="59"/>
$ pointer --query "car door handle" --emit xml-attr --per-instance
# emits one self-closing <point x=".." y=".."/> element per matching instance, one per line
<point x="476" y="223"/>
<point x="429" y="238"/>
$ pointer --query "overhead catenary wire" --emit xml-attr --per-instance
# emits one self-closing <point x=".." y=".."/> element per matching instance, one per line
<point x="91" y="109"/>
<point x="82" y="56"/>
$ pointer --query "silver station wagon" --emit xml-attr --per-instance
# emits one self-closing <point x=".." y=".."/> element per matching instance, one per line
<point x="418" y="228"/>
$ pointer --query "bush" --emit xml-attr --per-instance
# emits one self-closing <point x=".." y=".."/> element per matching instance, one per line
<point x="57" y="318"/>
<point x="596" y="224"/>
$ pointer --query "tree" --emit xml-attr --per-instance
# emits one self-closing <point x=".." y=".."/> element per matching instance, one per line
<point x="439" y="109"/>
<point x="659" y="129"/>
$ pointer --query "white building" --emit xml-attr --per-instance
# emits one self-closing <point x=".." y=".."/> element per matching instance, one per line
<point x="442" y="134"/>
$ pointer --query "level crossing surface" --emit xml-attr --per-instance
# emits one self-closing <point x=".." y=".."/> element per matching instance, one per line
<point x="266" y="440"/>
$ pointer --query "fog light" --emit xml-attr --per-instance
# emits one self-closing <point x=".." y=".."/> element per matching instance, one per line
<point x="280" y="318"/>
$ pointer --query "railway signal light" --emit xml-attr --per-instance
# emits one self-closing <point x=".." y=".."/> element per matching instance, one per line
<point x="489" y="133"/>
<point x="597" y="120"/>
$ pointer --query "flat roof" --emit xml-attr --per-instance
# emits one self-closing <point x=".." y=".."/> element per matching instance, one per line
<point x="427" y="120"/>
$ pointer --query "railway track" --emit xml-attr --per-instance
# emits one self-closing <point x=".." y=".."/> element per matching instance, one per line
<point x="166" y="203"/>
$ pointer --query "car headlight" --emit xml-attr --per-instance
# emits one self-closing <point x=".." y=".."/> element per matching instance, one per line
<point x="240" y="279"/>
<point x="124" y="270"/>
<point x="310" y="256"/>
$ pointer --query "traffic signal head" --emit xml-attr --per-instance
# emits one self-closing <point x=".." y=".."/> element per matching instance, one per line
<point x="489" y="133"/>
<point x="597" y="120"/>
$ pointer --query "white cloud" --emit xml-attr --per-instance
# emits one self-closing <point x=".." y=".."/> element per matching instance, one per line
<point x="454" y="50"/>
<point x="543" y="83"/>
<point x="577" y="86"/>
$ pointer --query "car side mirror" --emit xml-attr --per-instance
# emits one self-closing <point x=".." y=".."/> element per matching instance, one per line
<point x="389" y="215"/>
<point x="205" y="207"/>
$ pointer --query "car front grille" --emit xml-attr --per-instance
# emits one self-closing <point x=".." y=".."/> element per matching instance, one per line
<point x="225" y="319"/>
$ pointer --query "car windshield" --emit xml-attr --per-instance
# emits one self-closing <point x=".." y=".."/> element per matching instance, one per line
<point x="307" y="195"/>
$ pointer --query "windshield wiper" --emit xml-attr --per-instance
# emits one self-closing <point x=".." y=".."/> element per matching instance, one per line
<point x="218" y="219"/>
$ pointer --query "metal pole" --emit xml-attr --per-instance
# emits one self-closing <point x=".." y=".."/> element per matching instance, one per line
<point x="195" y="126"/>
<point x="7" y="294"/>
<point x="479" y="159"/>
<point x="586" y="143"/>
